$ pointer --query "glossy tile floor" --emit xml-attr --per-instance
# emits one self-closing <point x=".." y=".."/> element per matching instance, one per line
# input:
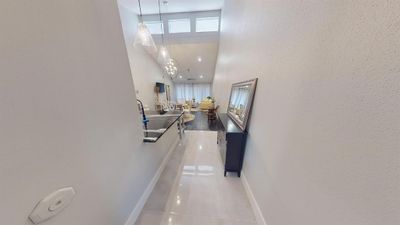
<point x="193" y="191"/>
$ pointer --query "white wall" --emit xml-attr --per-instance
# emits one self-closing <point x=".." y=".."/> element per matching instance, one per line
<point x="323" y="145"/>
<point x="145" y="70"/>
<point x="68" y="113"/>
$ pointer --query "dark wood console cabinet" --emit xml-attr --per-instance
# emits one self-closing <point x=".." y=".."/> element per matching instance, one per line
<point x="231" y="142"/>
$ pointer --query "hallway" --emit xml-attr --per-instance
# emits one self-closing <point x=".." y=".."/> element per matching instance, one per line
<point x="94" y="96"/>
<point x="193" y="191"/>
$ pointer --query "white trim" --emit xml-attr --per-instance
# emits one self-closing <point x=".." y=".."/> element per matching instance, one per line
<point x="254" y="205"/>
<point x="142" y="201"/>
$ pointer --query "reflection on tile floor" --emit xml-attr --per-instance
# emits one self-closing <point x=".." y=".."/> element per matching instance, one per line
<point x="193" y="191"/>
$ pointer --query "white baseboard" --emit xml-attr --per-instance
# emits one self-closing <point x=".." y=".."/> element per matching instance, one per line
<point x="254" y="205"/>
<point x="142" y="201"/>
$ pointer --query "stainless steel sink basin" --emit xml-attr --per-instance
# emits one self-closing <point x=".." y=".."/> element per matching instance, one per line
<point x="159" y="124"/>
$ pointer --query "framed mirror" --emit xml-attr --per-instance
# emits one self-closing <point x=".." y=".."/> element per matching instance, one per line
<point x="240" y="102"/>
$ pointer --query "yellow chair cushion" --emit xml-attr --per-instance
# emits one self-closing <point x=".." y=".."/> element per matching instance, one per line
<point x="206" y="104"/>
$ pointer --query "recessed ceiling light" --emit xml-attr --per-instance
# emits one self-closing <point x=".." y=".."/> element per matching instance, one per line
<point x="180" y="77"/>
<point x="199" y="59"/>
<point x="201" y="76"/>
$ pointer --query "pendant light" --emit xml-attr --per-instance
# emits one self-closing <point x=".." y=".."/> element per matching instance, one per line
<point x="143" y="35"/>
<point x="171" y="68"/>
<point x="163" y="54"/>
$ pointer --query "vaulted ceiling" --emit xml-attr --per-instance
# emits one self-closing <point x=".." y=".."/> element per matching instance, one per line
<point x="190" y="69"/>
<point x="186" y="49"/>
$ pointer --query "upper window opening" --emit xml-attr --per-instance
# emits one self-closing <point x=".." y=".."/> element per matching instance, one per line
<point x="155" y="27"/>
<point x="179" y="26"/>
<point x="207" y="24"/>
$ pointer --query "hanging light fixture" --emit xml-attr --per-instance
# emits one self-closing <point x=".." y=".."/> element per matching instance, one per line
<point x="163" y="54"/>
<point x="143" y="35"/>
<point x="171" y="68"/>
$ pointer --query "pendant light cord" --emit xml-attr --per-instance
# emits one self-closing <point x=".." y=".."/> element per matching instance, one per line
<point x="140" y="10"/>
<point x="162" y="30"/>
<point x="161" y="22"/>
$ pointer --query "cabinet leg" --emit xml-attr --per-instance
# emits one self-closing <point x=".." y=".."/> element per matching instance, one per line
<point x="238" y="173"/>
<point x="225" y="173"/>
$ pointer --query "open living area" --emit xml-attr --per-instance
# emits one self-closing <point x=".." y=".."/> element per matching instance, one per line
<point x="200" y="112"/>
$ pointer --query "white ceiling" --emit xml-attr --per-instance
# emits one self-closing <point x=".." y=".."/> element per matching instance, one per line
<point x="189" y="67"/>
<point x="173" y="6"/>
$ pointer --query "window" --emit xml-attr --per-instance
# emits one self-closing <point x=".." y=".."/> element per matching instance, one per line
<point x="155" y="27"/>
<point x="207" y="24"/>
<point x="186" y="92"/>
<point x="179" y="26"/>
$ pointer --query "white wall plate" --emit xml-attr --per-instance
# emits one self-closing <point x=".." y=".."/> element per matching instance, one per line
<point x="52" y="204"/>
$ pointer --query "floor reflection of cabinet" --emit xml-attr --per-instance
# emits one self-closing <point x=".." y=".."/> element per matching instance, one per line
<point x="232" y="142"/>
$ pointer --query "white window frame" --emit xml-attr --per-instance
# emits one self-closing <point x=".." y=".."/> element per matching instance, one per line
<point x="181" y="20"/>
<point x="213" y="18"/>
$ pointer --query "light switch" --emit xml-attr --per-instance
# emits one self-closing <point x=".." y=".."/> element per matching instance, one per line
<point x="51" y="205"/>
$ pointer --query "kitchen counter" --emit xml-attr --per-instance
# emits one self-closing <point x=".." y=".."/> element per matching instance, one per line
<point x="160" y="123"/>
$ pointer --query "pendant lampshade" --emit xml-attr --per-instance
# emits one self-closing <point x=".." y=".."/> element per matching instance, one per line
<point x="143" y="35"/>
<point x="163" y="55"/>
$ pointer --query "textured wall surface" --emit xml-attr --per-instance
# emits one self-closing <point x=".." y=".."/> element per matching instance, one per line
<point x="323" y="145"/>
<point x="68" y="113"/>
